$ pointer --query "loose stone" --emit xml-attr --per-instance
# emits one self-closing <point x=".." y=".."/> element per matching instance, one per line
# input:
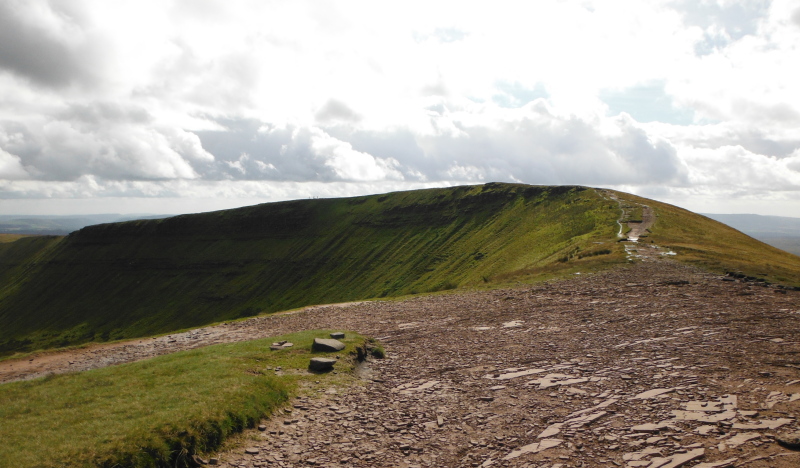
<point x="321" y="364"/>
<point x="325" y="345"/>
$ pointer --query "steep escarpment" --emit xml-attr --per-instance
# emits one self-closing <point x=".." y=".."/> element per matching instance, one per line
<point x="145" y="277"/>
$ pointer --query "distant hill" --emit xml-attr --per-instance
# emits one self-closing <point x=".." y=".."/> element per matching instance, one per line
<point x="144" y="277"/>
<point x="60" y="225"/>
<point x="778" y="231"/>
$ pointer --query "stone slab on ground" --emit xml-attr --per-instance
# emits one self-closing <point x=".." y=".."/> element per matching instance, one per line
<point x="327" y="345"/>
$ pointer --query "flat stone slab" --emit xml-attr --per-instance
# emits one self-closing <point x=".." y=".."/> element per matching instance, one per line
<point x="337" y="336"/>
<point x="698" y="416"/>
<point x="719" y="464"/>
<point x="677" y="460"/>
<point x="327" y="345"/>
<point x="281" y="345"/>
<point x="604" y="404"/>
<point x="790" y="441"/>
<point x="656" y="392"/>
<point x="650" y="427"/>
<point x="534" y="448"/>
<point x="551" y="430"/>
<point x="513" y="324"/>
<point x="514" y="375"/>
<point x="736" y="441"/>
<point x="764" y="424"/>
<point x="585" y="419"/>
<point x="319" y="364"/>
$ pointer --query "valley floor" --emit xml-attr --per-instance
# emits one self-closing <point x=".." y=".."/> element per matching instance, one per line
<point x="653" y="365"/>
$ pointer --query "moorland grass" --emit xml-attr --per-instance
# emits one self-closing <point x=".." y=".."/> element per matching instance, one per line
<point x="140" y="278"/>
<point x="147" y="277"/>
<point x="716" y="247"/>
<point x="4" y="238"/>
<point x="155" y="413"/>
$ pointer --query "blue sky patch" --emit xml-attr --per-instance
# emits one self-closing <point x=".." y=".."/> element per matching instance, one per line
<point x="646" y="103"/>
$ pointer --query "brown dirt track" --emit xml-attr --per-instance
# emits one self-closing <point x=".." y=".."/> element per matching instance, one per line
<point x="591" y="343"/>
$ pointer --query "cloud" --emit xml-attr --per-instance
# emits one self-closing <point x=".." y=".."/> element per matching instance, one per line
<point x="66" y="149"/>
<point x="50" y="44"/>
<point x="109" y="99"/>
<point x="11" y="167"/>
<point x="722" y="22"/>
<point x="349" y="164"/>
<point x="535" y="145"/>
<point x="336" y="111"/>
<point x="735" y="167"/>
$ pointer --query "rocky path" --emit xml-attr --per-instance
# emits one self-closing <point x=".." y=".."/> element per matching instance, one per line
<point x="654" y="365"/>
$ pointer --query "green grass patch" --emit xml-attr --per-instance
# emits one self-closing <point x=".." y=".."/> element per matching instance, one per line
<point x="155" y="413"/>
<point x="632" y="212"/>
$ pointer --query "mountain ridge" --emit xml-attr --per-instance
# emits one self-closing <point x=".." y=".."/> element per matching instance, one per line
<point x="144" y="277"/>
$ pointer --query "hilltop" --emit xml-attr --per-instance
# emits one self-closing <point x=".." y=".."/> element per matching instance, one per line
<point x="146" y="277"/>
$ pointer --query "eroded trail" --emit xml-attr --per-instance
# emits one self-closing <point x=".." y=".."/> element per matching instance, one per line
<point x="647" y="221"/>
<point x="674" y="368"/>
<point x="669" y="369"/>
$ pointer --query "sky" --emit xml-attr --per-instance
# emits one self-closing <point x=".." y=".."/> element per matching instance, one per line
<point x="180" y="106"/>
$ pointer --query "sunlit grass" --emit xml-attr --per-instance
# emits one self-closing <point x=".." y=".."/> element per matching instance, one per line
<point x="716" y="247"/>
<point x="4" y="238"/>
<point x="158" y="411"/>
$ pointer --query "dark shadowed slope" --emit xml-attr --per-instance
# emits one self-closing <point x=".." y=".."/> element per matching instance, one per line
<point x="144" y="277"/>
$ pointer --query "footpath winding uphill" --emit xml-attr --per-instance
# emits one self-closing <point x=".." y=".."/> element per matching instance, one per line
<point x="654" y="365"/>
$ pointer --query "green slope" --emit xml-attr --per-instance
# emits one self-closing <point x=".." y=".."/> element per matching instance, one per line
<point x="152" y="276"/>
<point x="714" y="246"/>
<point x="146" y="277"/>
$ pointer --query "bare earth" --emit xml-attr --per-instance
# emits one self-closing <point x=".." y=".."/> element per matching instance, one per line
<point x="640" y="229"/>
<point x="655" y="365"/>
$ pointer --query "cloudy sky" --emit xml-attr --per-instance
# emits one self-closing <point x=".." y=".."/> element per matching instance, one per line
<point x="183" y="106"/>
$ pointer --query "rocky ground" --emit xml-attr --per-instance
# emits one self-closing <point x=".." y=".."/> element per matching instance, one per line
<point x="654" y="365"/>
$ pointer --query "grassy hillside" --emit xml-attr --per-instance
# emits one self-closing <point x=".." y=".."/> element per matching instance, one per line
<point x="146" y="277"/>
<point x="714" y="246"/>
<point x="778" y="231"/>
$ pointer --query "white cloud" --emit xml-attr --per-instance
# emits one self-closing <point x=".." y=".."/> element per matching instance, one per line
<point x="160" y="99"/>
<point x="11" y="167"/>
<point x="64" y="149"/>
<point x="733" y="167"/>
<point x="350" y="164"/>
